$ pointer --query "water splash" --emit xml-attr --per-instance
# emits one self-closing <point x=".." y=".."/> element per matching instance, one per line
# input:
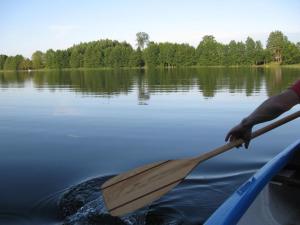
<point x="83" y="204"/>
<point x="187" y="204"/>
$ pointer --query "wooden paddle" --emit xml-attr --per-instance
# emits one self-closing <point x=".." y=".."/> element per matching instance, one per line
<point x="134" y="189"/>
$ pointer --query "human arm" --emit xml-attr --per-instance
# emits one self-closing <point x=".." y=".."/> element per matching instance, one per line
<point x="268" y="110"/>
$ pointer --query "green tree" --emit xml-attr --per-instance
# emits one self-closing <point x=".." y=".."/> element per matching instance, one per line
<point x="76" y="58"/>
<point x="26" y="64"/>
<point x="111" y="53"/>
<point x="185" y="55"/>
<point x="142" y="39"/>
<point x="92" y="57"/>
<point x="235" y="54"/>
<point x="209" y="51"/>
<point x="231" y="54"/>
<point x="250" y="51"/>
<point x="120" y="55"/>
<point x="61" y="59"/>
<point x="151" y="54"/>
<point x="259" y="55"/>
<point x="241" y="53"/>
<point x="298" y="45"/>
<point x="107" y="57"/>
<point x="13" y="62"/>
<point x="38" y="60"/>
<point x="167" y="54"/>
<point x="10" y="63"/>
<point x="291" y="54"/>
<point x="50" y="59"/>
<point x="136" y="59"/>
<point x="275" y="45"/>
<point x="2" y="61"/>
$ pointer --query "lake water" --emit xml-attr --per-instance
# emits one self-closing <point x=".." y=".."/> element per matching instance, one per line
<point x="62" y="129"/>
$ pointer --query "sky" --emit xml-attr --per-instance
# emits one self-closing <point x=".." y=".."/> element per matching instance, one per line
<point x="27" y="26"/>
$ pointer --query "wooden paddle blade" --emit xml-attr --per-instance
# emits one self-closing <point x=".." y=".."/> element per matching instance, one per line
<point x="139" y="187"/>
<point x="128" y="174"/>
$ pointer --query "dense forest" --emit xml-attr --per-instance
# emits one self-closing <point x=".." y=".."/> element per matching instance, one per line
<point x="111" y="53"/>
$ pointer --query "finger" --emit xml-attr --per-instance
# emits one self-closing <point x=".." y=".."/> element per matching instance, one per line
<point x="227" y="136"/>
<point x="232" y="138"/>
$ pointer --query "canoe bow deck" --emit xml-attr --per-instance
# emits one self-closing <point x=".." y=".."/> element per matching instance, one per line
<point x="269" y="197"/>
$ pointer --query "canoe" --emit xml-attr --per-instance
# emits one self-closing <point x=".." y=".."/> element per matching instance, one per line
<point x="270" y="197"/>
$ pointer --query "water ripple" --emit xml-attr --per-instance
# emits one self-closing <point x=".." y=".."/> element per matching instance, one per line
<point x="187" y="204"/>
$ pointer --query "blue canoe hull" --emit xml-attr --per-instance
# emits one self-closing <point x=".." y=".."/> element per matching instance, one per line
<point x="257" y="193"/>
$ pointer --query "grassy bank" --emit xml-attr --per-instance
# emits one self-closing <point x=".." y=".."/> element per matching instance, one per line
<point x="269" y="65"/>
<point x="292" y="66"/>
<point x="75" y="69"/>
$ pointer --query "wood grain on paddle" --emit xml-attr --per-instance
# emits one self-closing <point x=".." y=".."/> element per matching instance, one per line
<point x="134" y="189"/>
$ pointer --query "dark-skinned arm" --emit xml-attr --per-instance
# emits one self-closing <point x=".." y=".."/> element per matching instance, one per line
<point x="268" y="110"/>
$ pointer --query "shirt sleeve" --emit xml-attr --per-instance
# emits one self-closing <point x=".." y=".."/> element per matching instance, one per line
<point x="296" y="87"/>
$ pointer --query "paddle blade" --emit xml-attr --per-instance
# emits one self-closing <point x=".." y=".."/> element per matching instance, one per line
<point x="139" y="187"/>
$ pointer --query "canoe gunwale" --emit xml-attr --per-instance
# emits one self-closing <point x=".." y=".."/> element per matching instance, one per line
<point x="236" y="205"/>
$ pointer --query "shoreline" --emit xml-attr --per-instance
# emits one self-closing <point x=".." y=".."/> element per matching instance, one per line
<point x="272" y="65"/>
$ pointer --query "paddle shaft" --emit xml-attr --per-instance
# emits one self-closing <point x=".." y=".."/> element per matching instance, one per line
<point x="255" y="134"/>
<point x="136" y="188"/>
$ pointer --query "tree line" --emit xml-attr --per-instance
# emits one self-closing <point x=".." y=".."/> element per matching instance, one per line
<point x="111" y="53"/>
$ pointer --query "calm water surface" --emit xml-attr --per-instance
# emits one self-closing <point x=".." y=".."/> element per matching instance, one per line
<point x="59" y="130"/>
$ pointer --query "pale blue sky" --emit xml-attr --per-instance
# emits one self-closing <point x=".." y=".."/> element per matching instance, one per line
<point x="32" y="25"/>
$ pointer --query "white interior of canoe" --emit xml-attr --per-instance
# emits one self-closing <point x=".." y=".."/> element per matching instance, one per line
<point x="277" y="204"/>
<point x="270" y="197"/>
